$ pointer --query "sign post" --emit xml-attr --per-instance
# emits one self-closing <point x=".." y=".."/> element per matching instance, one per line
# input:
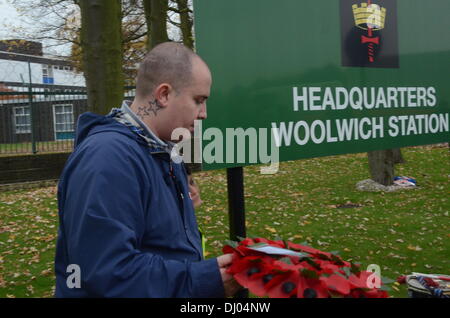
<point x="236" y="207"/>
<point x="236" y="202"/>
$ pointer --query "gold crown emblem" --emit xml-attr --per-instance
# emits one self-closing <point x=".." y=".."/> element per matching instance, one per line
<point x="369" y="16"/>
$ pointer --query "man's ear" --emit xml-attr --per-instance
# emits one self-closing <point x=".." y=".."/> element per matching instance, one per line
<point x="162" y="94"/>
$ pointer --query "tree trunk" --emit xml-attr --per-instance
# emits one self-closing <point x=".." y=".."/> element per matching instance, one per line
<point x="381" y="166"/>
<point x="156" y="17"/>
<point x="148" y="20"/>
<point x="186" y="23"/>
<point x="101" y="42"/>
<point x="398" y="157"/>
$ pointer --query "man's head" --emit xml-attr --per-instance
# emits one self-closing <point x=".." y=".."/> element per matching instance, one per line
<point x="172" y="87"/>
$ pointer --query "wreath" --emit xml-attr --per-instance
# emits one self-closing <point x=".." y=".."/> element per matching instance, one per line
<point x="282" y="269"/>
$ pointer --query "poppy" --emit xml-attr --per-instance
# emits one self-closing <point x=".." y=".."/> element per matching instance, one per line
<point x="286" y="287"/>
<point x="311" y="288"/>
<point x="240" y="264"/>
<point x="337" y="283"/>
<point x="260" y="277"/>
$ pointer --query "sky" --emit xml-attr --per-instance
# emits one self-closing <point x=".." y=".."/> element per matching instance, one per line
<point x="10" y="19"/>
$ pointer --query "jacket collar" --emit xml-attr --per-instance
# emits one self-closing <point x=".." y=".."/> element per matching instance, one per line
<point x="127" y="117"/>
<point x="136" y="121"/>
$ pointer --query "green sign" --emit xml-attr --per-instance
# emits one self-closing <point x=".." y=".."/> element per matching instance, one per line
<point x="318" y="78"/>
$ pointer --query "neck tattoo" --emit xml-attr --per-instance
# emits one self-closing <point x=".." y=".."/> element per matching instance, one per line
<point x="152" y="107"/>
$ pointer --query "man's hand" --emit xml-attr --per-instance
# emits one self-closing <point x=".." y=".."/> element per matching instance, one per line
<point x="230" y="285"/>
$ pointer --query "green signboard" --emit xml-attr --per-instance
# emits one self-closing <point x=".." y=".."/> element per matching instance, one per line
<point x="316" y="78"/>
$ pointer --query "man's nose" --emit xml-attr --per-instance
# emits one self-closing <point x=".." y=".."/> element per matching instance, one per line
<point x="202" y="114"/>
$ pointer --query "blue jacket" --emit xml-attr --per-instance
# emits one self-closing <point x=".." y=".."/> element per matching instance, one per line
<point x="126" y="221"/>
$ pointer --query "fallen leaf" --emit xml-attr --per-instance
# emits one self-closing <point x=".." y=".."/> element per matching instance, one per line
<point x="270" y="229"/>
<point x="47" y="272"/>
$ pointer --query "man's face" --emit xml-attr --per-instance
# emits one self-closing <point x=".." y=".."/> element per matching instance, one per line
<point x="189" y="103"/>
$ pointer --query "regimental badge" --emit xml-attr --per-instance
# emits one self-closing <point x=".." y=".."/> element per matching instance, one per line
<point x="369" y="17"/>
<point x="369" y="33"/>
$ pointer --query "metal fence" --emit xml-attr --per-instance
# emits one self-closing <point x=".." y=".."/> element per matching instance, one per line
<point x="40" y="117"/>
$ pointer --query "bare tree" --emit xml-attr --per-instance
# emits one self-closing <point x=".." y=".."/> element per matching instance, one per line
<point x="101" y="43"/>
<point x="156" y="17"/>
<point x="186" y="22"/>
<point x="54" y="22"/>
<point x="57" y="23"/>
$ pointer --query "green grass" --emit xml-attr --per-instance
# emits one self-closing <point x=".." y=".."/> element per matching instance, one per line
<point x="401" y="232"/>
<point x="28" y="226"/>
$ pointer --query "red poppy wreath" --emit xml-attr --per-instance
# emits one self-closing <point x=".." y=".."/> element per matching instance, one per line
<point x="280" y="269"/>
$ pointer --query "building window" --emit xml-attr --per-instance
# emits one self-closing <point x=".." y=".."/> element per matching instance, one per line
<point x="63" y="119"/>
<point x="22" y="120"/>
<point x="47" y="74"/>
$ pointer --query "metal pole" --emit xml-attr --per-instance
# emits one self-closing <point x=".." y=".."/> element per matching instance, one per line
<point x="30" y="102"/>
<point x="236" y="206"/>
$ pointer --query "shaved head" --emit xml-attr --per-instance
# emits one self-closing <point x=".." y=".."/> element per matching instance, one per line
<point x="169" y="63"/>
<point x="172" y="87"/>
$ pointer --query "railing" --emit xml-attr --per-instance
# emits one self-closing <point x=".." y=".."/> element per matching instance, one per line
<point x="40" y="118"/>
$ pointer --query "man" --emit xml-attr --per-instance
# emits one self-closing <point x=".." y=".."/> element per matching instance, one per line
<point x="126" y="219"/>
